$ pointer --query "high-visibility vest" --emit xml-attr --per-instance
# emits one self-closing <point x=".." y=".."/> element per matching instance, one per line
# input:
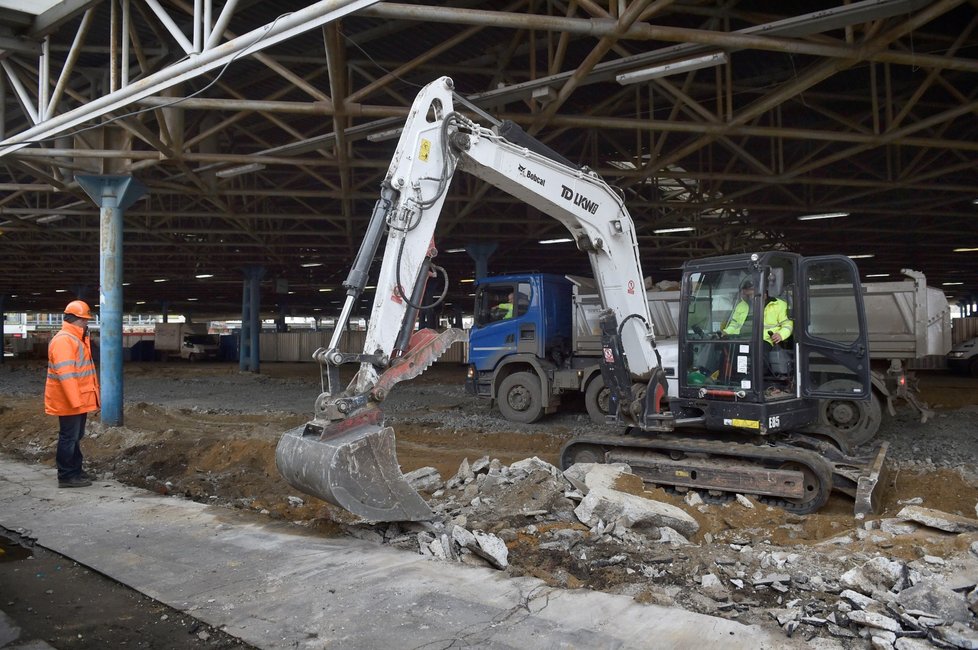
<point x="776" y="320"/>
<point x="72" y="384"/>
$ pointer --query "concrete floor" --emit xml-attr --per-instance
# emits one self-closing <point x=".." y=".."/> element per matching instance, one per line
<point x="277" y="586"/>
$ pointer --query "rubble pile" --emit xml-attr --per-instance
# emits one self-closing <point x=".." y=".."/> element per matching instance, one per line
<point x="596" y="526"/>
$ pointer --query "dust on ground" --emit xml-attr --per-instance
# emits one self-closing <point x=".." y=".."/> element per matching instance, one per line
<point x="208" y="432"/>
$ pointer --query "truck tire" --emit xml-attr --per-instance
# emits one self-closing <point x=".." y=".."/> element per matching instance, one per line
<point x="520" y="398"/>
<point x="850" y="422"/>
<point x="596" y="399"/>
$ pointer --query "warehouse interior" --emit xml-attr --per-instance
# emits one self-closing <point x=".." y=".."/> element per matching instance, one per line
<point x="204" y="172"/>
<point x="261" y="134"/>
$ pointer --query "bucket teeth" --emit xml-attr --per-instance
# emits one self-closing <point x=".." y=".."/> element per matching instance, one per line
<point x="425" y="348"/>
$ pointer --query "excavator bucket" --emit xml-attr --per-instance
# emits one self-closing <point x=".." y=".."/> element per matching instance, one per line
<point x="352" y="463"/>
<point x="354" y="468"/>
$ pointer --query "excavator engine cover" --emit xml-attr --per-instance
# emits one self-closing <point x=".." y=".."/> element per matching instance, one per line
<point x="354" y="468"/>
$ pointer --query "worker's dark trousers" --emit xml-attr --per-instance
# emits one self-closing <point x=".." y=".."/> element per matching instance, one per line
<point x="69" y="457"/>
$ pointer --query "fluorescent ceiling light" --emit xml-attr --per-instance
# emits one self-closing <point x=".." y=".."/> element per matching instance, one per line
<point x="662" y="231"/>
<point x="697" y="63"/>
<point x="862" y="256"/>
<point x="974" y="201"/>
<point x="965" y="250"/>
<point x="877" y="275"/>
<point x="51" y="218"/>
<point x="455" y="250"/>
<point x="160" y="280"/>
<point x="827" y="215"/>
<point x="950" y="284"/>
<point x="325" y="290"/>
<point x="309" y="265"/>
<point x="192" y="299"/>
<point x="140" y="302"/>
<point x="241" y="169"/>
<point x="562" y="240"/>
<point x="201" y="276"/>
<point x="467" y="281"/>
<point x="60" y="290"/>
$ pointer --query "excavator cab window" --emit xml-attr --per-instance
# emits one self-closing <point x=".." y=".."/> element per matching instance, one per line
<point x="720" y="321"/>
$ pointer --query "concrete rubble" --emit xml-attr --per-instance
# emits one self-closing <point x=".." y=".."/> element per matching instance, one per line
<point x="595" y="519"/>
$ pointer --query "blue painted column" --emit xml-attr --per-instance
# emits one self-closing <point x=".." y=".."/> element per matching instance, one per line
<point x="113" y="195"/>
<point x="481" y="252"/>
<point x="250" y="319"/>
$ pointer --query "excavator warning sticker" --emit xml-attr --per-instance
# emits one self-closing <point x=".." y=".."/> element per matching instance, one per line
<point x="425" y="150"/>
<point x="609" y="356"/>
<point x="743" y="424"/>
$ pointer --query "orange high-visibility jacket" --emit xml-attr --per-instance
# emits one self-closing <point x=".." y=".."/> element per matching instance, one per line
<point x="72" y="385"/>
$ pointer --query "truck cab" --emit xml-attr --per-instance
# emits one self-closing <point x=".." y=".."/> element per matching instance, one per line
<point x="521" y="336"/>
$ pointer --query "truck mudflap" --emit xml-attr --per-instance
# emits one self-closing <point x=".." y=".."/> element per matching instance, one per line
<point x="353" y="465"/>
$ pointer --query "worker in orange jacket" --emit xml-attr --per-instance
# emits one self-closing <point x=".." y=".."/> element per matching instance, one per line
<point x="71" y="391"/>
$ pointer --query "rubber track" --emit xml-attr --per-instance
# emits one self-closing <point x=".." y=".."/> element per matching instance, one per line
<point x="766" y="456"/>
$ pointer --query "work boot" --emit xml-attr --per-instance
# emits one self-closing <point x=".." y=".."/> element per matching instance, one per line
<point x="85" y="475"/>
<point x="73" y="482"/>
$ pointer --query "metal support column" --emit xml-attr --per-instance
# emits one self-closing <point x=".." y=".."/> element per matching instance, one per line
<point x="3" y="317"/>
<point x="481" y="252"/>
<point x="250" y="318"/>
<point x="113" y="195"/>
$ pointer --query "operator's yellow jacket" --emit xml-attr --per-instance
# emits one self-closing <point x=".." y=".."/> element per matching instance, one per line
<point x="72" y="385"/>
<point x="775" y="319"/>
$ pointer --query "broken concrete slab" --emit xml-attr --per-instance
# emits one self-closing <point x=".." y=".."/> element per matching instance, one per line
<point x="933" y="597"/>
<point x="874" y="620"/>
<point x="880" y="573"/>
<point x="958" y="635"/>
<point x="937" y="519"/>
<point x="424" y="479"/>
<point x="602" y="504"/>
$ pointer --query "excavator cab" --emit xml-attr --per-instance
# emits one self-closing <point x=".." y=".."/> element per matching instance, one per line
<point x="765" y="335"/>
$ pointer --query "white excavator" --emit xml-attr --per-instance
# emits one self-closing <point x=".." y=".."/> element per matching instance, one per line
<point x="738" y="400"/>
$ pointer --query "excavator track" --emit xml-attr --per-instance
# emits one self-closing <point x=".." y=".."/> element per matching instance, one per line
<point x="797" y="480"/>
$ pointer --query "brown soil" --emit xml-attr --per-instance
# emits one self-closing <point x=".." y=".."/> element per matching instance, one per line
<point x="227" y="457"/>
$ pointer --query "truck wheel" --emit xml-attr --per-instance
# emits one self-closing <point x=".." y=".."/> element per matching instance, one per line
<point x="596" y="399"/>
<point x="850" y="422"/>
<point x="520" y="398"/>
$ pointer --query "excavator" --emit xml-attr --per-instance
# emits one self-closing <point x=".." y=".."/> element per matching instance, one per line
<point x="723" y="414"/>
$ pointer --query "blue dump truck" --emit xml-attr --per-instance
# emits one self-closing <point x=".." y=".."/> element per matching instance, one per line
<point x="544" y="342"/>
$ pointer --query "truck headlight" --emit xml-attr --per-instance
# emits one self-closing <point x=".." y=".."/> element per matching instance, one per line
<point x="955" y="355"/>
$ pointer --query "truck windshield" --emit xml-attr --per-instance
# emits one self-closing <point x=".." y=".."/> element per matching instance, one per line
<point x="499" y="302"/>
<point x="200" y="339"/>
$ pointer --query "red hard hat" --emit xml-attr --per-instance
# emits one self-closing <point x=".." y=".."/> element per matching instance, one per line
<point x="79" y="308"/>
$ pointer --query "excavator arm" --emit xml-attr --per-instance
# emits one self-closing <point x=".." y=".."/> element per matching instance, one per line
<point x="346" y="454"/>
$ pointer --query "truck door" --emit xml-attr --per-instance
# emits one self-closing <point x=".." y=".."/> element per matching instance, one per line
<point x="833" y="353"/>
<point x="500" y="312"/>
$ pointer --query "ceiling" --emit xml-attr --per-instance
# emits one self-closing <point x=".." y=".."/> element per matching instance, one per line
<point x="261" y="132"/>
